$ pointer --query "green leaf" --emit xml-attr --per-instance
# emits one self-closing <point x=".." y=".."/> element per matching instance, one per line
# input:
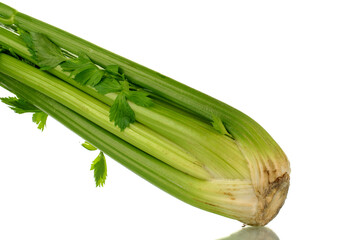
<point x="40" y="119"/>
<point x="19" y="105"/>
<point x="121" y="113"/>
<point x="219" y="126"/>
<point x="108" y="85"/>
<point x="89" y="76"/>
<point x="84" y="76"/>
<point x="139" y="98"/>
<point x="26" y="37"/>
<point x="88" y="146"/>
<point x="125" y="85"/>
<point x="100" y="170"/>
<point x="96" y="78"/>
<point x="47" y="54"/>
<point x="84" y="70"/>
<point x="77" y="65"/>
<point x="123" y="76"/>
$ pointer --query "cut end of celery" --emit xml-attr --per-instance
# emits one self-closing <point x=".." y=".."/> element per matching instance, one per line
<point x="271" y="201"/>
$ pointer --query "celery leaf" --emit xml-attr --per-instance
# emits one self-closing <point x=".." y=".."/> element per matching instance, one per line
<point x="82" y="62"/>
<point x="108" y="85"/>
<point x="77" y="65"/>
<point x="140" y="98"/>
<point x="100" y="170"/>
<point x="84" y="70"/>
<point x="90" y="76"/>
<point x="19" y="105"/>
<point x="40" y="119"/>
<point x="46" y="53"/>
<point x="26" y="37"/>
<point x="121" y="113"/>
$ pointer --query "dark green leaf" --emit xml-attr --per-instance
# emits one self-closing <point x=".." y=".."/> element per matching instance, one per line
<point x="48" y="55"/>
<point x="121" y="113"/>
<point x="19" y="105"/>
<point x="96" y="78"/>
<point x="84" y="76"/>
<point x="71" y="64"/>
<point x="100" y="170"/>
<point x="140" y="98"/>
<point x="26" y="37"/>
<point x="77" y="65"/>
<point x="90" y="76"/>
<point x="40" y="119"/>
<point x="123" y="77"/>
<point x="84" y="70"/>
<point x="88" y="146"/>
<point x="22" y="106"/>
<point x="125" y="85"/>
<point x="108" y="85"/>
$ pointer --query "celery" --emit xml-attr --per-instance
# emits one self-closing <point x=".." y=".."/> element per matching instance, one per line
<point x="211" y="155"/>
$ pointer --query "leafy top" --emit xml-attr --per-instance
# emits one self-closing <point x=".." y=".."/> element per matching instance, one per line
<point x="105" y="80"/>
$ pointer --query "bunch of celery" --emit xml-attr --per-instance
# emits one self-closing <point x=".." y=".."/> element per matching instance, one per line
<point x="192" y="146"/>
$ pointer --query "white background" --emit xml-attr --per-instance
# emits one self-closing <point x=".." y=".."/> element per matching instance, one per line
<point x="293" y="66"/>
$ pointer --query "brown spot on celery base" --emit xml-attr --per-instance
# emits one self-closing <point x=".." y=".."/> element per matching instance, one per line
<point x="271" y="201"/>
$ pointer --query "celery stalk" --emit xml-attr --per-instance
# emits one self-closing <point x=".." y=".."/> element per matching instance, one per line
<point x="244" y="176"/>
